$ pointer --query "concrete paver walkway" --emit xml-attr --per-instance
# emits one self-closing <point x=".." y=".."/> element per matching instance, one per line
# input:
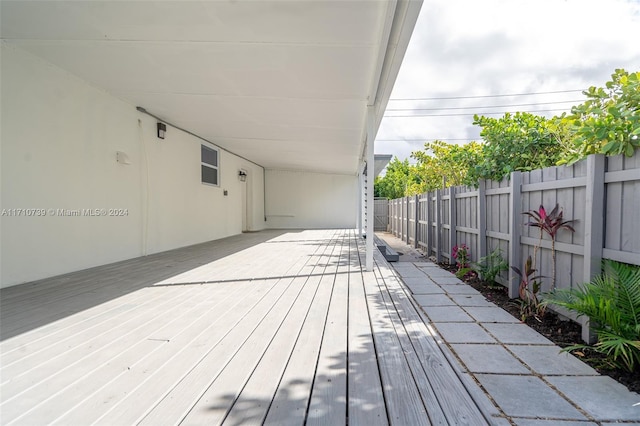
<point x="524" y="374"/>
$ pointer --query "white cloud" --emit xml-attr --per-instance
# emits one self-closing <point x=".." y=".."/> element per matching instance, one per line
<point x="474" y="48"/>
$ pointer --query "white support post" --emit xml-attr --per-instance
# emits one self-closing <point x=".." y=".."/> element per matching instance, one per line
<point x="360" y="200"/>
<point x="371" y="134"/>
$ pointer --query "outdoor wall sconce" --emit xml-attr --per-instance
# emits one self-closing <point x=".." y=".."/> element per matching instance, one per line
<point x="162" y="129"/>
<point x="242" y="175"/>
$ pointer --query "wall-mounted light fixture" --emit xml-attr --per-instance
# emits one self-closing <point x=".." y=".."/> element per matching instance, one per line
<point x="162" y="129"/>
<point x="242" y="175"/>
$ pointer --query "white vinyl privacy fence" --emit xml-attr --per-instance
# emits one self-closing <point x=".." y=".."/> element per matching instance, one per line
<point x="601" y="194"/>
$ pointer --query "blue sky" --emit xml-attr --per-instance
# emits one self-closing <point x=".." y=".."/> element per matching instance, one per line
<point x="466" y="48"/>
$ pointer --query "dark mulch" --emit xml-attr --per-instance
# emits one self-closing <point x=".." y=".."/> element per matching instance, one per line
<point x="560" y="331"/>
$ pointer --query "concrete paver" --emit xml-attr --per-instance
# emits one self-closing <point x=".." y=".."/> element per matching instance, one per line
<point x="461" y="289"/>
<point x="516" y="333"/>
<point x="445" y="280"/>
<point x="433" y="300"/>
<point x="490" y="314"/>
<point x="600" y="396"/>
<point x="537" y="358"/>
<point x="542" y="422"/>
<point x="425" y="289"/>
<point x="418" y="280"/>
<point x="527" y="396"/>
<point x="462" y="332"/>
<point x="488" y="359"/>
<point x="470" y="300"/>
<point x="447" y="314"/>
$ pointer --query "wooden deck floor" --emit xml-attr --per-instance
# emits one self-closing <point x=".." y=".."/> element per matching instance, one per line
<point x="281" y="328"/>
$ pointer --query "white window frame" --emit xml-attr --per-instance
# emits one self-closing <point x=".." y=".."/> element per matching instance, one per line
<point x="215" y="167"/>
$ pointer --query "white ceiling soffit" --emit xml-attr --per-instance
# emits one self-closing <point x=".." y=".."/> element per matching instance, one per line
<point x="285" y="84"/>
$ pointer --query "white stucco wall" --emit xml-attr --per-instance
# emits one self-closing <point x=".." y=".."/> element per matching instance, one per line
<point x="59" y="137"/>
<point x="297" y="199"/>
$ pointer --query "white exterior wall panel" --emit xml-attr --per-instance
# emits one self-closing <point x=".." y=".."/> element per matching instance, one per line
<point x="59" y="139"/>
<point x="297" y="200"/>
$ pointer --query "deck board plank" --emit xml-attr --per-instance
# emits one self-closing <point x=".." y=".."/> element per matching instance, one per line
<point x="327" y="405"/>
<point x="366" y="400"/>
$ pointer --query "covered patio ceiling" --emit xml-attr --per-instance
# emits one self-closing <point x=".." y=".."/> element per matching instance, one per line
<point x="285" y="84"/>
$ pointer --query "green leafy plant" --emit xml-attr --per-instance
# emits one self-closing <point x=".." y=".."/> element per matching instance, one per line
<point x="612" y="302"/>
<point x="608" y="122"/>
<point x="520" y="141"/>
<point x="490" y="266"/>
<point x="549" y="223"/>
<point x="461" y="255"/>
<point x="529" y="288"/>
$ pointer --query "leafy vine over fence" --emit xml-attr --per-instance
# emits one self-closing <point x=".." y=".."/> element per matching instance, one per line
<point x="601" y="194"/>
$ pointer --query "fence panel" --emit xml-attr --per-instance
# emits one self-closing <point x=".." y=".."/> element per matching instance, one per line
<point x="622" y="207"/>
<point x="445" y="224"/>
<point x="498" y="217"/>
<point x="381" y="214"/>
<point x="565" y="186"/>
<point x="466" y="220"/>
<point x="424" y="228"/>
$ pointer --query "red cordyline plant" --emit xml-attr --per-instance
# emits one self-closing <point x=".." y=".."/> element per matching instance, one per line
<point x="528" y="291"/>
<point x="550" y="223"/>
<point x="461" y="254"/>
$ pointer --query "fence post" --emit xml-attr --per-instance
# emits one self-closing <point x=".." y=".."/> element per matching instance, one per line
<point x="395" y="217"/>
<point x="453" y="240"/>
<point x="408" y="204"/>
<point x="438" y="228"/>
<point x="427" y="218"/>
<point x="482" y="219"/>
<point x="399" y="217"/>
<point x="515" y="229"/>
<point x="593" y="226"/>
<point x="417" y="222"/>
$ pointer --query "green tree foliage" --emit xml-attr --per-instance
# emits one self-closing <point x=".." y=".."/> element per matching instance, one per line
<point x="439" y="165"/>
<point x="518" y="142"/>
<point x="395" y="181"/>
<point x="609" y="121"/>
<point x="443" y="165"/>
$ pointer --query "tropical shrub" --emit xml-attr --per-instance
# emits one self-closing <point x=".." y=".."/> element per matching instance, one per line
<point x="517" y="142"/>
<point x="461" y="255"/>
<point x="442" y="165"/>
<point x="608" y="122"/>
<point x="490" y="266"/>
<point x="612" y="302"/>
<point x="549" y="223"/>
<point x="528" y="290"/>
